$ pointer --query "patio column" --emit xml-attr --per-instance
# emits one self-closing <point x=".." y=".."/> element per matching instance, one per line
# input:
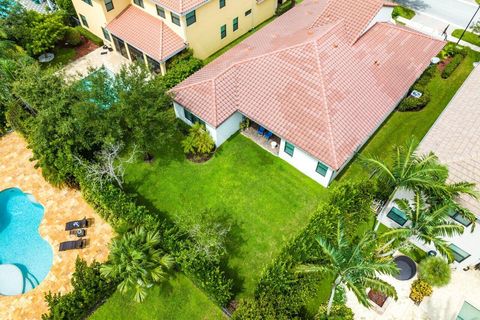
<point x="163" y="68"/>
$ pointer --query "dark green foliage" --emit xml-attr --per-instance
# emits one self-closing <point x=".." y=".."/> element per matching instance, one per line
<point x="452" y="66"/>
<point x="90" y="36"/>
<point x="89" y="290"/>
<point x="180" y="70"/>
<point x="67" y="6"/>
<point x="435" y="271"/>
<point x="410" y="103"/>
<point x="72" y="37"/>
<point x="123" y="213"/>
<point x="282" y="293"/>
<point x="339" y="312"/>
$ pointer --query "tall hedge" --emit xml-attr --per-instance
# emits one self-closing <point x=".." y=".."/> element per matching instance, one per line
<point x="122" y="212"/>
<point x="280" y="293"/>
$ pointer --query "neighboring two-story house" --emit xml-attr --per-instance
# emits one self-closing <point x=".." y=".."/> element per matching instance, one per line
<point x="154" y="31"/>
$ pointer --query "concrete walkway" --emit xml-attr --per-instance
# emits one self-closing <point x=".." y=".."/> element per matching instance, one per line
<point x="78" y="69"/>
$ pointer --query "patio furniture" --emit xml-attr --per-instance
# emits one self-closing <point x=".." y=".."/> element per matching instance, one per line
<point x="406" y="266"/>
<point x="77" y="224"/>
<point x="273" y="144"/>
<point x="78" y="232"/>
<point x="71" y="245"/>
<point x="268" y="135"/>
<point x="261" y="130"/>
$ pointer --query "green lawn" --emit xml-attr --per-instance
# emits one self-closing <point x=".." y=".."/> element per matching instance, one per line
<point x="266" y="199"/>
<point x="467" y="37"/>
<point x="178" y="299"/>
<point x="62" y="57"/>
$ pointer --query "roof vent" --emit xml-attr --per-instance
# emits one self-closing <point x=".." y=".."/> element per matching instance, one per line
<point x="376" y="63"/>
<point x="335" y="45"/>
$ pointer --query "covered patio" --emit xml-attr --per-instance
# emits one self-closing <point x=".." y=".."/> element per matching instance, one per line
<point x="264" y="138"/>
<point x="140" y="37"/>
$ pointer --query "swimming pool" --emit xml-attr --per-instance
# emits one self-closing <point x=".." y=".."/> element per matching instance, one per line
<point x="20" y="242"/>
<point x="100" y="84"/>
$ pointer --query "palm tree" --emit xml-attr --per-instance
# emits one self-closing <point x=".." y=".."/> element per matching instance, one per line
<point x="353" y="265"/>
<point x="136" y="260"/>
<point x="427" y="224"/>
<point x="415" y="172"/>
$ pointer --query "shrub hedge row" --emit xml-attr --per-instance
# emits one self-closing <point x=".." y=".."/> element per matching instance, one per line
<point x="280" y="293"/>
<point x="452" y="66"/>
<point x="410" y="103"/>
<point x="122" y="212"/>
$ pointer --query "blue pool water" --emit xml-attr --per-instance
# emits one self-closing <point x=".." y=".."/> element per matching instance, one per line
<point x="106" y="96"/>
<point x="20" y="242"/>
<point x="6" y="8"/>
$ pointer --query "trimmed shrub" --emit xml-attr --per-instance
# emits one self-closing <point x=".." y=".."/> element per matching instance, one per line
<point x="198" y="145"/>
<point x="90" y="290"/>
<point x="72" y="37"/>
<point x="452" y="66"/>
<point x="414" y="104"/>
<point x="339" y="312"/>
<point x="435" y="271"/>
<point x="419" y="290"/>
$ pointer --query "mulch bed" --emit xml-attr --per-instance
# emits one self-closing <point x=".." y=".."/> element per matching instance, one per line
<point x="377" y="297"/>
<point x="85" y="48"/>
<point x="200" y="159"/>
<point x="444" y="63"/>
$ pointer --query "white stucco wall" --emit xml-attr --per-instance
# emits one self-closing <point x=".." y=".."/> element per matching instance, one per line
<point x="306" y="164"/>
<point x="468" y="241"/>
<point x="220" y="134"/>
<point x="384" y="15"/>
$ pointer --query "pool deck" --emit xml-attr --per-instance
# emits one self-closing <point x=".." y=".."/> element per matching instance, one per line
<point x="61" y="205"/>
<point x="444" y="304"/>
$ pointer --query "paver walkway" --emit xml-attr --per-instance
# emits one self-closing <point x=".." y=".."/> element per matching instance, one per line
<point x="16" y="170"/>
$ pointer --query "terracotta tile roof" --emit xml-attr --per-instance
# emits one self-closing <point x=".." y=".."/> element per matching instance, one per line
<point x="146" y="33"/>
<point x="181" y="6"/>
<point x="311" y="86"/>
<point x="455" y="137"/>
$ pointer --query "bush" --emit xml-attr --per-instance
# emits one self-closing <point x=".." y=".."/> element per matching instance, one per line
<point x="404" y="12"/>
<point x="90" y="36"/>
<point x="452" y="66"/>
<point x="339" y="312"/>
<point x="435" y="271"/>
<point x="90" y="289"/>
<point x="72" y="37"/>
<point x="122" y="212"/>
<point x="419" y="290"/>
<point x="410" y="103"/>
<point x="180" y="70"/>
<point x="198" y="144"/>
<point x="279" y="289"/>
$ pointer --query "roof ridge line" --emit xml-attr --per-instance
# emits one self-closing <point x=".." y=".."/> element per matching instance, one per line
<point x="214" y="88"/>
<point x="161" y="38"/>
<point x="380" y="7"/>
<point x="324" y="95"/>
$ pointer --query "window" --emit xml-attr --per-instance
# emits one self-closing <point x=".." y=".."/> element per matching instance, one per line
<point x="398" y="216"/>
<point x="191" y="117"/>
<point x="175" y="18"/>
<point x="289" y="148"/>
<point x="223" y="31"/>
<point x="459" y="218"/>
<point x="321" y="169"/>
<point x="135" y="54"/>
<point x="106" y="35"/>
<point x="84" y="20"/>
<point x="248" y="12"/>
<point x="160" y="11"/>
<point x="109" y="5"/>
<point x="222" y="3"/>
<point x="153" y="65"/>
<point x="458" y="254"/>
<point x="88" y="2"/>
<point x="138" y="3"/>
<point x="235" y="24"/>
<point x="191" y="18"/>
